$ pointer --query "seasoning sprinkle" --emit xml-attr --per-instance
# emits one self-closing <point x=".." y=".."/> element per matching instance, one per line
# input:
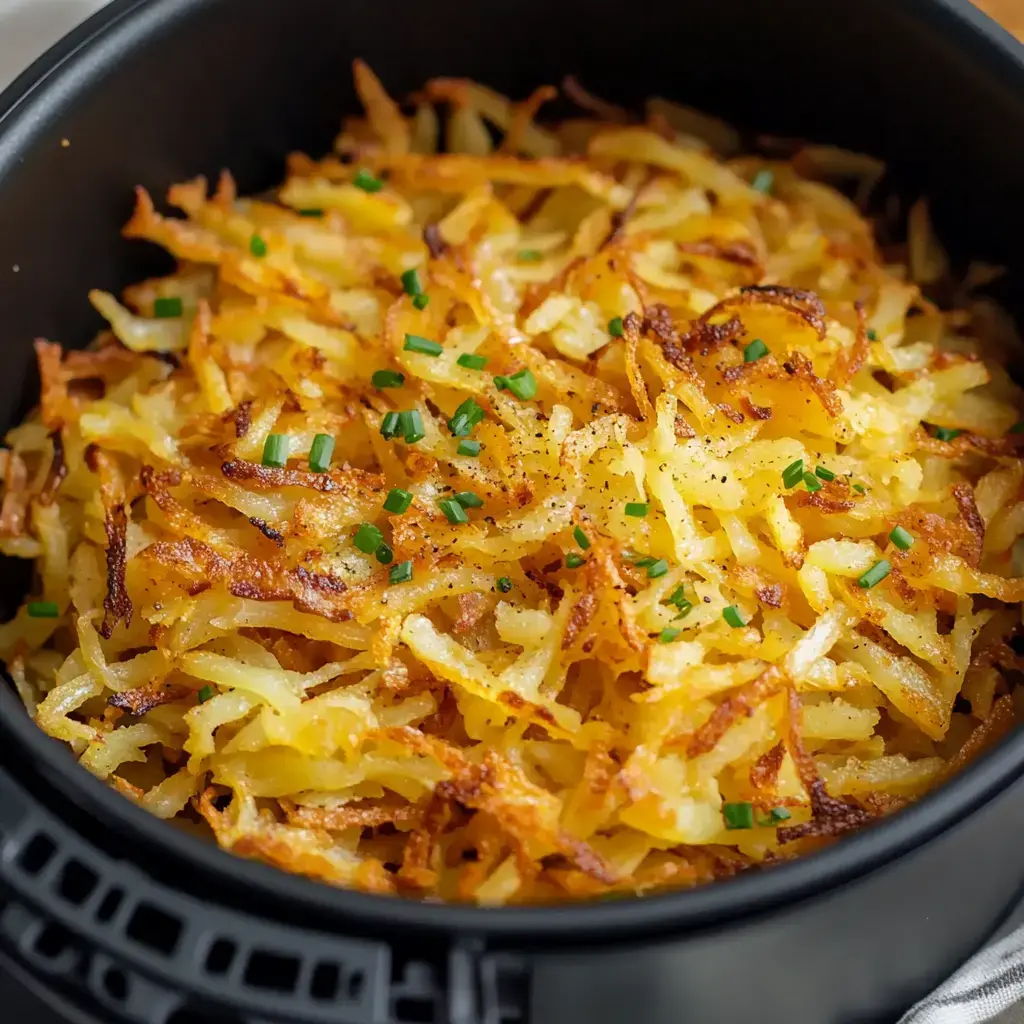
<point x="470" y="448"/>
<point x="368" y="538"/>
<point x="275" y="451"/>
<point x="320" y="453"/>
<point x="387" y="379"/>
<point x="616" y="328"/>
<point x="875" y="574"/>
<point x="400" y="573"/>
<point x="581" y="538"/>
<point x="903" y="539"/>
<point x="733" y="617"/>
<point x="424" y="346"/>
<point x="397" y="501"/>
<point x="757" y="349"/>
<point x="43" y="610"/>
<point x="366" y="181"/>
<point x="167" y="308"/>
<point x="636" y="509"/>
<point x="472" y="362"/>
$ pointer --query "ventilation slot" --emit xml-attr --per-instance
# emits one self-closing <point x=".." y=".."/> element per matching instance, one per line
<point x="52" y="941"/>
<point x="272" y="972"/>
<point x="191" y="1015"/>
<point x="109" y="905"/>
<point x="115" y="984"/>
<point x="220" y="956"/>
<point x="37" y="854"/>
<point x="326" y="981"/>
<point x="414" y="999"/>
<point x="153" y="928"/>
<point x="77" y="882"/>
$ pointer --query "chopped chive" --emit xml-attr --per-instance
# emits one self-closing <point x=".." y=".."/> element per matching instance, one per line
<point x="740" y="815"/>
<point x="397" y="501"/>
<point x="581" y="538"/>
<point x="311" y="212"/>
<point x="275" y="450"/>
<point x="1017" y="428"/>
<point x="472" y="362"/>
<point x="811" y="482"/>
<point x="678" y="595"/>
<point x="657" y="569"/>
<point x="573" y="561"/>
<point x="411" y="282"/>
<point x="387" y="379"/>
<point x="504" y="584"/>
<point x="733" y="617"/>
<point x="668" y="634"/>
<point x="779" y="814"/>
<point x="466" y="417"/>
<point x="467" y="499"/>
<point x="757" y="349"/>
<point x="903" y="539"/>
<point x="165" y="309"/>
<point x="616" y="328"/>
<point x="522" y="384"/>
<point x="421" y="301"/>
<point x="258" y="247"/>
<point x="453" y="511"/>
<point x="426" y="347"/>
<point x="763" y="182"/>
<point x="400" y="573"/>
<point x="412" y="426"/>
<point x="43" y="610"/>
<point x="391" y="425"/>
<point x="470" y="448"/>
<point x="946" y="433"/>
<point x="872" y="334"/>
<point x="368" y="538"/>
<point x="644" y="561"/>
<point x="793" y="473"/>
<point x="530" y="255"/>
<point x="205" y="694"/>
<point x="320" y="453"/>
<point x="824" y="474"/>
<point x="684" y="607"/>
<point x="859" y="488"/>
<point x="636" y="509"/>
<point x="367" y="182"/>
<point x="384" y="554"/>
<point x="875" y="574"/>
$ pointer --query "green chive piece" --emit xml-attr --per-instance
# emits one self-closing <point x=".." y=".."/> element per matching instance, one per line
<point x="421" y="301"/>
<point x="400" y="573"/>
<point x="467" y="499"/>
<point x="367" y="182"/>
<point x="644" y="561"/>
<point x="739" y="815"/>
<point x="872" y="334"/>
<point x="793" y="473"/>
<point x="685" y="608"/>
<point x="258" y="247"/>
<point x="668" y="634"/>
<point x="466" y="417"/>
<point x="811" y="482"/>
<point x="616" y="328"/>
<point x="411" y="282"/>
<point x="733" y="617"/>
<point x="824" y="474"/>
<point x="522" y="384"/>
<point x="875" y="574"/>
<point x="472" y="362"/>
<point x="384" y="554"/>
<point x="581" y="538"/>
<point x="391" y="425"/>
<point x="757" y="349"/>
<point x="311" y="212"/>
<point x="678" y="595"/>
<point x="530" y="255"/>
<point x="205" y="694"/>
<point x="412" y="426"/>
<point x="320" y="453"/>
<point x="763" y="182"/>
<point x="453" y="511"/>
<point x="946" y="433"/>
<point x="275" y="450"/>
<point x="636" y="509"/>
<point x="165" y="309"/>
<point x="903" y="539"/>
<point x="573" y="561"/>
<point x="368" y="538"/>
<point x="397" y="501"/>
<point x="387" y="379"/>
<point x="1017" y="428"/>
<point x="859" y="488"/>
<point x="426" y="347"/>
<point x="657" y="569"/>
<point x="504" y="584"/>
<point x="470" y="448"/>
<point x="779" y="814"/>
<point x="43" y="610"/>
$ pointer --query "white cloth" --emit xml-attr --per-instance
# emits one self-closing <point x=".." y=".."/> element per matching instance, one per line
<point x="989" y="985"/>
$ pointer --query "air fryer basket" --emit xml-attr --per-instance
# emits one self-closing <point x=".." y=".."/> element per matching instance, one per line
<point x="121" y="918"/>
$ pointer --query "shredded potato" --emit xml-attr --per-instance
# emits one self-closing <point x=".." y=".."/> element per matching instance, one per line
<point x="576" y="511"/>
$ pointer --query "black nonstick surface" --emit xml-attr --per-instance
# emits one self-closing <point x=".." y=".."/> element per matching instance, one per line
<point x="160" y="90"/>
